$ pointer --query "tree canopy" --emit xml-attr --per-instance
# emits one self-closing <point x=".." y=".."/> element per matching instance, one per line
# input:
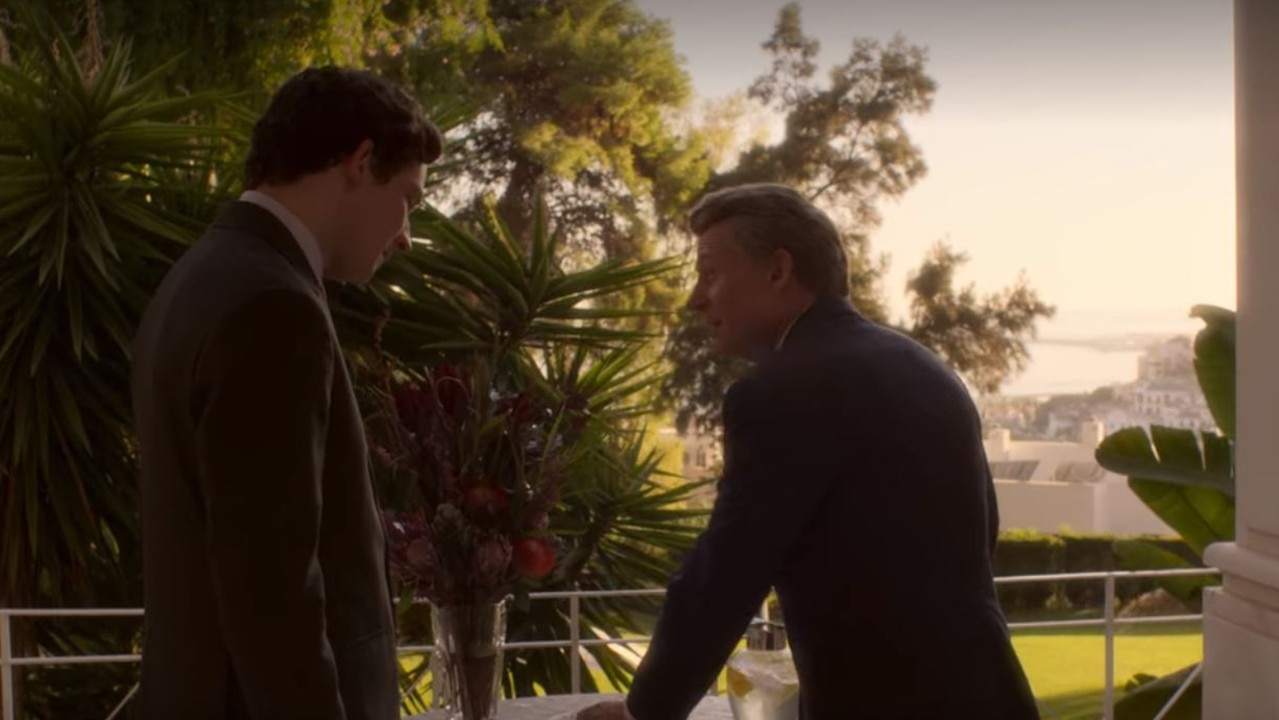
<point x="846" y="146"/>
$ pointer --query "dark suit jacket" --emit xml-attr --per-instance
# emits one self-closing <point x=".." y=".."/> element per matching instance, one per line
<point x="855" y="482"/>
<point x="265" y="580"/>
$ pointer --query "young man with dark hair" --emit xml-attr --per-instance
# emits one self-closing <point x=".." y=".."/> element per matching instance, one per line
<point x="264" y="568"/>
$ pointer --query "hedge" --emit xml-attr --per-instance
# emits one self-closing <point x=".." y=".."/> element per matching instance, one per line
<point x="1027" y="552"/>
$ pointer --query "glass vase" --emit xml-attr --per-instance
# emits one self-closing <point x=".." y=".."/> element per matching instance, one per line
<point x="467" y="660"/>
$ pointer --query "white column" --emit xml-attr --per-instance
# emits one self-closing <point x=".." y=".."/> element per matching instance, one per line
<point x="1241" y="618"/>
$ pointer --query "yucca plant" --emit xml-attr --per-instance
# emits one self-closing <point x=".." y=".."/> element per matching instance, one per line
<point x="102" y="182"/>
<point x="472" y="289"/>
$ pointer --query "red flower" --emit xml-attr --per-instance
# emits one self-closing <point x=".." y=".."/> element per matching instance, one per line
<point x="485" y="497"/>
<point x="413" y="406"/>
<point x="533" y="557"/>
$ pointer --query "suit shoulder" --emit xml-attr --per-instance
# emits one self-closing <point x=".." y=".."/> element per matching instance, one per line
<point x="226" y="269"/>
<point x="273" y="318"/>
<point x="238" y="257"/>
<point x="213" y="283"/>
<point x="857" y="360"/>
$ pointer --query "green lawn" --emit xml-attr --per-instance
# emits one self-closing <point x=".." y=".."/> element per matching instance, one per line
<point x="1066" y="666"/>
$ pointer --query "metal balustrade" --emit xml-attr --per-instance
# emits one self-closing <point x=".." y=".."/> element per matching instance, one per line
<point x="1109" y="622"/>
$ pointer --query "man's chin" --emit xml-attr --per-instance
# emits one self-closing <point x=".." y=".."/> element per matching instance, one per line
<point x="723" y="346"/>
<point x="351" y="277"/>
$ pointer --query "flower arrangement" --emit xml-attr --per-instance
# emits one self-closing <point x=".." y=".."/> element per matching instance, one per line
<point x="481" y="468"/>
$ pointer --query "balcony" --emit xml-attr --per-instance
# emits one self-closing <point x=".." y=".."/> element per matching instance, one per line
<point x="1111" y="625"/>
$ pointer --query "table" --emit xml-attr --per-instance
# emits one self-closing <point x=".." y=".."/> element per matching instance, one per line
<point x="562" y="707"/>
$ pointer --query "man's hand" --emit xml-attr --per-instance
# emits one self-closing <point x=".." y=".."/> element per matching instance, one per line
<point x="611" y="710"/>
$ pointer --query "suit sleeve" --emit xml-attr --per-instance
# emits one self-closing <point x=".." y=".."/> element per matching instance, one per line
<point x="266" y="375"/>
<point x="772" y="486"/>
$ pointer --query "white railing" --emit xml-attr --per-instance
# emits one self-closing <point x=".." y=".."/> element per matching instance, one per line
<point x="1108" y="622"/>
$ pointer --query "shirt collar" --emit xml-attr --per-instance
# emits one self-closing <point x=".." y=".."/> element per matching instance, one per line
<point x="303" y="235"/>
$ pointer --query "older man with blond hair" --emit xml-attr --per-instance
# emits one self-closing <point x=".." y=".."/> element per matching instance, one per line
<point x="855" y="483"/>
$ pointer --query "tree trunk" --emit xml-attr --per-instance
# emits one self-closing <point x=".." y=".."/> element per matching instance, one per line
<point x="515" y="207"/>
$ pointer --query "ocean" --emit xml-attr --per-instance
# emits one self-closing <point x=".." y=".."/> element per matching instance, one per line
<point x="1082" y="350"/>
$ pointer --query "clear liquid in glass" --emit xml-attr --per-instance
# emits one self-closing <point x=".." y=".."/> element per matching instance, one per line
<point x="763" y="685"/>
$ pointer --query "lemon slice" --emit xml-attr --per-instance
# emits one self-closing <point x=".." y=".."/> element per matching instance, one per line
<point x="738" y="684"/>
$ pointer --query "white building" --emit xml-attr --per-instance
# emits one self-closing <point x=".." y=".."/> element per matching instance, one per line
<point x="1174" y="358"/>
<point x="1052" y="485"/>
<point x="1166" y="392"/>
<point x="1168" y="401"/>
<point x="703" y="457"/>
<point x="1040" y="485"/>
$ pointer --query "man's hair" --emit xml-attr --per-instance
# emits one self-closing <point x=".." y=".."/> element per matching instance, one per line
<point x="767" y="217"/>
<point x="321" y="115"/>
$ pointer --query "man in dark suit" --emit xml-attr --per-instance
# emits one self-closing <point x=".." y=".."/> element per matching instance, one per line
<point x="265" y="579"/>
<point x="855" y="482"/>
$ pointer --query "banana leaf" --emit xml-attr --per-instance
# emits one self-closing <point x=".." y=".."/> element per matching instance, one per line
<point x="1215" y="363"/>
<point x="1146" y="700"/>
<point x="1187" y="480"/>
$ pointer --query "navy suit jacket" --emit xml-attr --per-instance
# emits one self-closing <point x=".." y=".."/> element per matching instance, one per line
<point x="855" y="482"/>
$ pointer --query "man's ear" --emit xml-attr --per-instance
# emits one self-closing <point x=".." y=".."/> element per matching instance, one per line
<point x="358" y="166"/>
<point x="782" y="269"/>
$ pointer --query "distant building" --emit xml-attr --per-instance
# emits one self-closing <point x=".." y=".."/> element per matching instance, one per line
<point x="1171" y="359"/>
<point x="703" y="459"/>
<point x="1047" y="485"/>
<point x="1166" y="392"/>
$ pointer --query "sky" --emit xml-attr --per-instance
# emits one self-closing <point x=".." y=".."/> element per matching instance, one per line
<point x="1087" y="143"/>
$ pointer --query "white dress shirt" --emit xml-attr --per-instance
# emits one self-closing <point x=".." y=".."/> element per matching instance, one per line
<point x="781" y="340"/>
<point x="301" y="234"/>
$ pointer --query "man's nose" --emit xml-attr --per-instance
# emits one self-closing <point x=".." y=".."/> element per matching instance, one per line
<point x="697" y="300"/>
<point x="403" y="241"/>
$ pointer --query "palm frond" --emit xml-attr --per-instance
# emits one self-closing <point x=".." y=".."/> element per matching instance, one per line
<point x="91" y="164"/>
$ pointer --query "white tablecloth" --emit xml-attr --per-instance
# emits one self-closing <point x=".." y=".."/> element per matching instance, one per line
<point x="562" y="707"/>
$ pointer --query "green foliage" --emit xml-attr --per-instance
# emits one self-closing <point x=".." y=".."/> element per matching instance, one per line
<point x="1028" y="552"/>
<point x="847" y="147"/>
<point x="1188" y="480"/>
<point x="576" y="99"/>
<point x="473" y="288"/>
<point x="102" y="183"/>
<point x="106" y="178"/>
<point x="92" y="166"/>
<point x="1215" y="363"/>
<point x="248" y="45"/>
<point x="983" y="338"/>
<point x="1149" y="698"/>
<point x="464" y="291"/>
<point x="845" y="142"/>
<point x="1148" y="556"/>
